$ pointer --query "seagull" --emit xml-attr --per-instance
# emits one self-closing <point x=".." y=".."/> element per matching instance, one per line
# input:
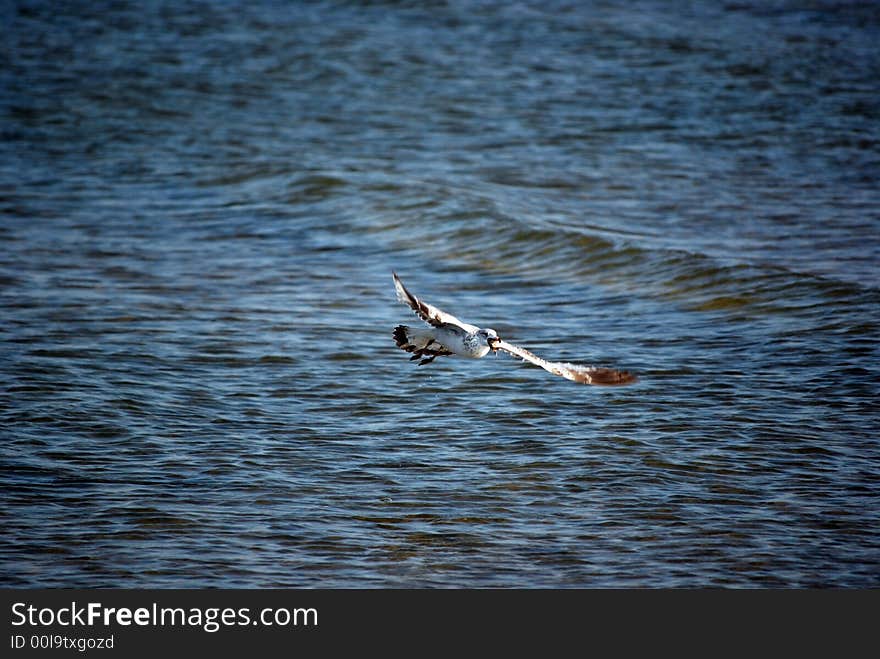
<point x="447" y="335"/>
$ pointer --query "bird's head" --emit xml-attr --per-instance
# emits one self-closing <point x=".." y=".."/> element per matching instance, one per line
<point x="491" y="337"/>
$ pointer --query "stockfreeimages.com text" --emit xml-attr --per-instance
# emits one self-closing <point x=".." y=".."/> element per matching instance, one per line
<point x="210" y="619"/>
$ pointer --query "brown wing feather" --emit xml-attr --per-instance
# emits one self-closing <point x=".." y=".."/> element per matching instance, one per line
<point x="427" y="312"/>
<point x="582" y="374"/>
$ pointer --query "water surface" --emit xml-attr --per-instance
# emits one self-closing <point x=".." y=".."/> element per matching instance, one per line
<point x="200" y="208"/>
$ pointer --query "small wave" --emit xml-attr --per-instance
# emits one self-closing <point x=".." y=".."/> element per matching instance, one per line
<point x="478" y="235"/>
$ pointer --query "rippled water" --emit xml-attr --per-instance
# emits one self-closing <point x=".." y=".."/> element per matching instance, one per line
<point x="201" y="207"/>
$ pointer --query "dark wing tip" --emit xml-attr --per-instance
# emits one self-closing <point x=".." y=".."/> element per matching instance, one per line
<point x="611" y="377"/>
<point x="402" y="292"/>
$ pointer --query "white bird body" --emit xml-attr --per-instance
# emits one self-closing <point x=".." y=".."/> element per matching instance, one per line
<point x="450" y="339"/>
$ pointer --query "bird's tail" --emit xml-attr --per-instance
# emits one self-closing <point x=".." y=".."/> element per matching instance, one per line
<point x="419" y="342"/>
<point x="410" y="339"/>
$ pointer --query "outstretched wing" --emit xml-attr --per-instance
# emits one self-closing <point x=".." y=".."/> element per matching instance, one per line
<point x="582" y="374"/>
<point x="428" y="312"/>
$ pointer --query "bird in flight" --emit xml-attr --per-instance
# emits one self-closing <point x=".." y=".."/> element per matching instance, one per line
<point x="447" y="335"/>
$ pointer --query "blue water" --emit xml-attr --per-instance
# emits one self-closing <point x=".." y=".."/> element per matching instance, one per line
<point x="200" y="208"/>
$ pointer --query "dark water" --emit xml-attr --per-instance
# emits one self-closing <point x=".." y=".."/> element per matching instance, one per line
<point x="202" y="203"/>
